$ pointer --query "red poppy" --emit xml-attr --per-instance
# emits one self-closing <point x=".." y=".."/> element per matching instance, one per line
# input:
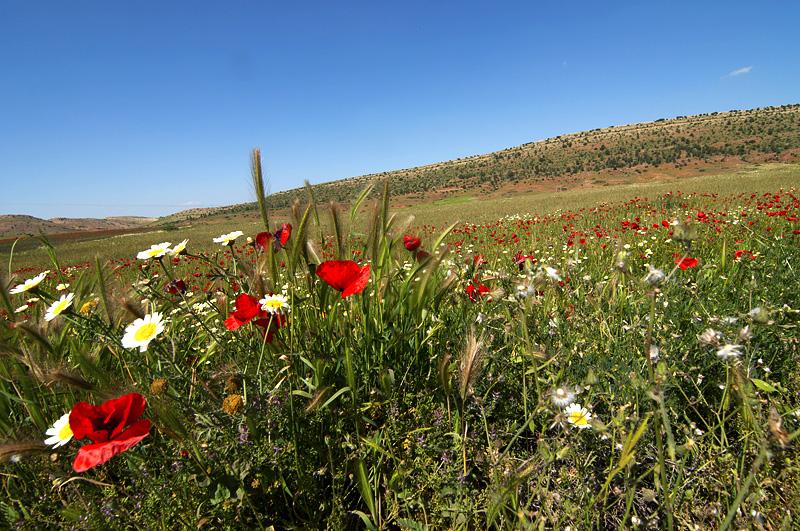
<point x="740" y="253"/>
<point x="344" y="275"/>
<point x="687" y="262"/>
<point x="476" y="291"/>
<point x="113" y="427"/>
<point x="282" y="234"/>
<point x="412" y="243"/>
<point x="247" y="309"/>
<point x="279" y="239"/>
<point x="263" y="239"/>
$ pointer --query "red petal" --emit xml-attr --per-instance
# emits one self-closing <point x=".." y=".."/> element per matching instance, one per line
<point x="86" y="420"/>
<point x="91" y="455"/>
<point x="122" y="412"/>
<point x="338" y="274"/>
<point x="282" y="234"/>
<point x="358" y="284"/>
<point x="263" y="239"/>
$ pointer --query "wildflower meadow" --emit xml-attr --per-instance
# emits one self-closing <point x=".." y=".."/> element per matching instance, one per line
<point x="632" y="364"/>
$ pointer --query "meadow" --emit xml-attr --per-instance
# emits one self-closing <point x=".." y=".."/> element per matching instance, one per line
<point x="621" y="357"/>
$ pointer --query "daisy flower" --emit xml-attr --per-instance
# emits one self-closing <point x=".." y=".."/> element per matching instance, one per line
<point x="275" y="304"/>
<point x="562" y="396"/>
<point x="60" y="434"/>
<point x="228" y="239"/>
<point x="62" y="287"/>
<point x="59" y="306"/>
<point x="22" y="308"/>
<point x="179" y="249"/>
<point x="729" y="351"/>
<point x="29" y="284"/>
<point x="578" y="416"/>
<point x="142" y="331"/>
<point x="155" y="251"/>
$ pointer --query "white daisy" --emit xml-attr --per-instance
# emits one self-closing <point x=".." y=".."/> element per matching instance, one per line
<point x="60" y="434"/>
<point x="59" y="306"/>
<point x="142" y="331"/>
<point x="578" y="416"/>
<point x="228" y="239"/>
<point x="29" y="284"/>
<point x="179" y="249"/>
<point x="62" y="287"/>
<point x="729" y="351"/>
<point x="22" y="308"/>
<point x="155" y="251"/>
<point x="275" y="304"/>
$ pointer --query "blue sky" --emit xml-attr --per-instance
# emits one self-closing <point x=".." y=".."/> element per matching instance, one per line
<point x="115" y="108"/>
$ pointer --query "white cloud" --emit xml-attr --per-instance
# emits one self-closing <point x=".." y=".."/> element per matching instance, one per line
<point x="740" y="71"/>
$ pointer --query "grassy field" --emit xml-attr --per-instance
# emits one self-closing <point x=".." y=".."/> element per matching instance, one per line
<point x="603" y="358"/>
<point x="440" y="213"/>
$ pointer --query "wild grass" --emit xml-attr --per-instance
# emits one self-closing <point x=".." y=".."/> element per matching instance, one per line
<point x="417" y="403"/>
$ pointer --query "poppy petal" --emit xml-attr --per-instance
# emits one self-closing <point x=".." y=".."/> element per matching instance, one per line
<point x="358" y="284"/>
<point x="91" y="455"/>
<point x="338" y="274"/>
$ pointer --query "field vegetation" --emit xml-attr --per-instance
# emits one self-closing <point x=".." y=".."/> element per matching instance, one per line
<point x="620" y="357"/>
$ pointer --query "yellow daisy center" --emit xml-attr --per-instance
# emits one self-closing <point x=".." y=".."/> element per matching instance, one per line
<point x="60" y="306"/>
<point x="145" y="332"/>
<point x="65" y="432"/>
<point x="578" y="418"/>
<point x="273" y="304"/>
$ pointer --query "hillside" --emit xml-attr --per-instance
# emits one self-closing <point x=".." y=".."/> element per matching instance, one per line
<point x="645" y="151"/>
<point x="12" y="225"/>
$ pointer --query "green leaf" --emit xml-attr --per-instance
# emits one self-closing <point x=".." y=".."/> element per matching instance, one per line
<point x="764" y="386"/>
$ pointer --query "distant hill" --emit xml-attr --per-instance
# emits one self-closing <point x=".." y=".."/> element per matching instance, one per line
<point x="649" y="149"/>
<point x="12" y="225"/>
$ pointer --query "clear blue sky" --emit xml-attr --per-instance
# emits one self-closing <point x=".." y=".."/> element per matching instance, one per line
<point x="112" y="108"/>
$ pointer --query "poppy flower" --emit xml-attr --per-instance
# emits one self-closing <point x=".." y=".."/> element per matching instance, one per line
<point x="247" y="309"/>
<point x="113" y="427"/>
<point x="279" y="239"/>
<point x="344" y="276"/>
<point x="475" y="292"/>
<point x="741" y="253"/>
<point x="282" y="234"/>
<point x="411" y="243"/>
<point x="686" y="262"/>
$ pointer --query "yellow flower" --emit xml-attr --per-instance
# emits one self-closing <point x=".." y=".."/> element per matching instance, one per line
<point x="88" y="306"/>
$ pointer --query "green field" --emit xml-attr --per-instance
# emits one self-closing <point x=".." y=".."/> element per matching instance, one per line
<point x="614" y="357"/>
